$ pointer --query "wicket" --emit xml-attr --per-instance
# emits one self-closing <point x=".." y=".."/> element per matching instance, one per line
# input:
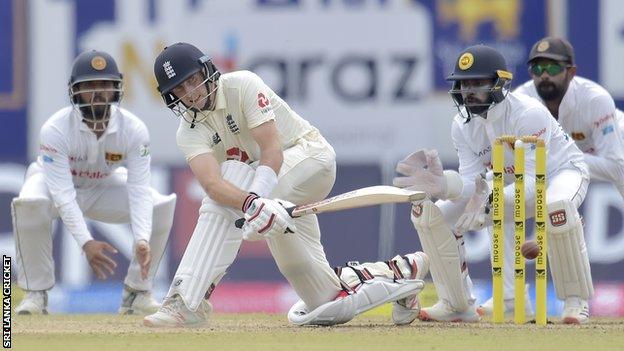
<point x="498" y="219"/>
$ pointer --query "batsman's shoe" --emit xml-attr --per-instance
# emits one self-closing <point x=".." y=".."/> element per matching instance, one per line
<point x="575" y="311"/>
<point x="443" y="312"/>
<point x="487" y="308"/>
<point x="34" y="302"/>
<point x="406" y="310"/>
<point x="138" y="302"/>
<point x="175" y="314"/>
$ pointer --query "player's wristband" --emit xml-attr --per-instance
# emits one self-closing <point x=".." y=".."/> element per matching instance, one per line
<point x="248" y="201"/>
<point x="264" y="181"/>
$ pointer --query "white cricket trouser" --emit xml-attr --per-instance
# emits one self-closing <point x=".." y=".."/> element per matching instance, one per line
<point x="105" y="203"/>
<point x="307" y="175"/>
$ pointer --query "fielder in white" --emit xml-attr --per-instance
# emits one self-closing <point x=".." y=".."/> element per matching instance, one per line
<point x="78" y="175"/>
<point x="246" y="146"/>
<point x="585" y="110"/>
<point x="487" y="111"/>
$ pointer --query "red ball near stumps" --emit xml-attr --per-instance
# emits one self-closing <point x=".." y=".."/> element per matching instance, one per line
<point x="530" y="250"/>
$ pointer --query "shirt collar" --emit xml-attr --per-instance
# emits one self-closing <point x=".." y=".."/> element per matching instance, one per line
<point x="220" y="103"/>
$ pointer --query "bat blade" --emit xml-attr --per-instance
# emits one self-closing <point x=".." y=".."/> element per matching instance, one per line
<point x="369" y="196"/>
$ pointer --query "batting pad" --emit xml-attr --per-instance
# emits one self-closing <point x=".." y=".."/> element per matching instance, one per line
<point x="372" y="293"/>
<point x="32" y="225"/>
<point x="443" y="249"/>
<point x="567" y="253"/>
<point x="214" y="243"/>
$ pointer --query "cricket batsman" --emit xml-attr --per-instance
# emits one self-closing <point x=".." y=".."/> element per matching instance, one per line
<point x="79" y="173"/>
<point x="254" y="156"/>
<point x="487" y="110"/>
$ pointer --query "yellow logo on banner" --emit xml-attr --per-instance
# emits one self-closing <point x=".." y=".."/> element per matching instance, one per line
<point x="465" y="61"/>
<point x="470" y="14"/>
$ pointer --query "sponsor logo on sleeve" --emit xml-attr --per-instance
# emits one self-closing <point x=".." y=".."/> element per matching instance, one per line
<point x="47" y="148"/>
<point x="264" y="103"/>
<point x="144" y="150"/>
<point x="47" y="158"/>
<point x="602" y="120"/>
<point x="607" y="129"/>
<point x="578" y="136"/>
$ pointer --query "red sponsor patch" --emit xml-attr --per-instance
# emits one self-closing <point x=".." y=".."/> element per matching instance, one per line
<point x="558" y="218"/>
<point x="602" y="120"/>
<point x="417" y="210"/>
<point x="262" y="100"/>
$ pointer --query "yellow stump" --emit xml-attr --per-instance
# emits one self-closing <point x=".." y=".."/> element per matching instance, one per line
<point x="541" y="282"/>
<point x="498" y="233"/>
<point x="519" y="218"/>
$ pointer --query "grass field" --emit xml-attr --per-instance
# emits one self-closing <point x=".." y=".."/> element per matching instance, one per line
<point x="272" y="332"/>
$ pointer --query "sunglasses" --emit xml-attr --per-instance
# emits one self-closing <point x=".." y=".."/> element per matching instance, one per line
<point x="551" y="68"/>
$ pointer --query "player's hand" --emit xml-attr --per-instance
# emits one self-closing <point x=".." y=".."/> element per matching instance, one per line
<point x="477" y="213"/>
<point x="267" y="218"/>
<point x="103" y="266"/>
<point x="422" y="171"/>
<point x="144" y="257"/>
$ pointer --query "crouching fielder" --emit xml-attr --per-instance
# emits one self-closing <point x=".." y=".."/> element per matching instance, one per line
<point x="488" y="111"/>
<point x="245" y="145"/>
<point x="77" y="175"/>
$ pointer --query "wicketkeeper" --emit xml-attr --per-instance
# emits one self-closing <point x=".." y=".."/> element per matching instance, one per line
<point x="487" y="110"/>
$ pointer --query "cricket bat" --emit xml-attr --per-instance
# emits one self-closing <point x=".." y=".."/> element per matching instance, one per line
<point x="369" y="196"/>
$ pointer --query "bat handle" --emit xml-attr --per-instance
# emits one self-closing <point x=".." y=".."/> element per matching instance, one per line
<point x="241" y="221"/>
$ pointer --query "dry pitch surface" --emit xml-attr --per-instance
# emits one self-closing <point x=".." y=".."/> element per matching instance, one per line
<point x="272" y="332"/>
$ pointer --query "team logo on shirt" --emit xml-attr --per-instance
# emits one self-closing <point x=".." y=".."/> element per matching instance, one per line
<point x="231" y="124"/>
<point x="578" y="136"/>
<point x="144" y="150"/>
<point x="112" y="157"/>
<point x="216" y="139"/>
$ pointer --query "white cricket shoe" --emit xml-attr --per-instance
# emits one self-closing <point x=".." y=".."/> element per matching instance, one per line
<point x="175" y="314"/>
<point x="575" y="311"/>
<point x="487" y="308"/>
<point x="405" y="311"/>
<point x="137" y="302"/>
<point x="34" y="302"/>
<point x="443" y="312"/>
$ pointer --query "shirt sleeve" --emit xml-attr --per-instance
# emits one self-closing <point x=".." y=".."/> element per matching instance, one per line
<point x="470" y="164"/>
<point x="138" y="184"/>
<point x="194" y="141"/>
<point x="607" y="162"/>
<point x="53" y="154"/>
<point x="256" y="101"/>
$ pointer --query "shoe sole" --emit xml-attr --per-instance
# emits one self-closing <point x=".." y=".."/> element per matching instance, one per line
<point x="573" y="321"/>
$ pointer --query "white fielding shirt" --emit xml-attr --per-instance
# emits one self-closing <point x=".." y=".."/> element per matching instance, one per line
<point x="243" y="102"/>
<point x="587" y="112"/>
<point x="74" y="159"/>
<point x="517" y="115"/>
